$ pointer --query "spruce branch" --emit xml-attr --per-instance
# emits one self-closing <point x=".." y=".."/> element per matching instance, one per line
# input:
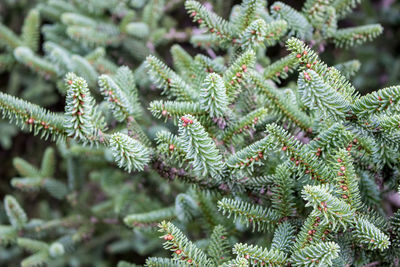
<point x="185" y="207"/>
<point x="9" y="38"/>
<point x="33" y="117"/>
<point x="120" y="105"/>
<point x="385" y="100"/>
<point x="306" y="162"/>
<point x="166" y="79"/>
<point x="31" y="30"/>
<point x="151" y="218"/>
<point x="200" y="148"/>
<point x="183" y="62"/>
<point x="218" y="246"/>
<point x="279" y="70"/>
<point x="308" y="59"/>
<point x="259" y="217"/>
<point x="237" y="72"/>
<point x="259" y="255"/>
<point x="16" y="215"/>
<point x="316" y="12"/>
<point x="280" y="106"/>
<point x="334" y="210"/>
<point x="298" y="25"/>
<point x="251" y="155"/>
<point x="283" y="191"/>
<point x="170" y="145"/>
<point x="370" y="236"/>
<point x="348" y="68"/>
<point x="327" y="142"/>
<point x="245" y="124"/>
<point x="129" y="153"/>
<point x="283" y="237"/>
<point x="318" y="95"/>
<point x="163" y="262"/>
<point x="343" y="7"/>
<point x="80" y="112"/>
<point x="354" y="36"/>
<point x="125" y="79"/>
<point x="213" y="98"/>
<point x="175" y="110"/>
<point x="26" y="56"/>
<point x="247" y="14"/>
<point x="183" y="249"/>
<point x="320" y="254"/>
<point x="219" y="27"/>
<point x="346" y="180"/>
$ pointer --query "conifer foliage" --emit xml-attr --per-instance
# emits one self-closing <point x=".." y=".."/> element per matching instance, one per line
<point x="210" y="152"/>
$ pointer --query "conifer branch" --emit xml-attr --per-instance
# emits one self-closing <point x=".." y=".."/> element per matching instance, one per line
<point x="219" y="27"/>
<point x="200" y="148"/>
<point x="260" y="218"/>
<point x="129" y="153"/>
<point x="308" y="59"/>
<point x="334" y="210"/>
<point x="31" y="30"/>
<point x="251" y="155"/>
<point x="218" y="247"/>
<point x="183" y="249"/>
<point x="34" y="118"/>
<point x="320" y="254"/>
<point x="356" y="35"/>
<point x="151" y="218"/>
<point x="318" y="95"/>
<point x="213" y="98"/>
<point x="260" y="255"/>
<point x="279" y="70"/>
<point x="245" y="124"/>
<point x="281" y="106"/>
<point x="237" y="72"/>
<point x="169" y="81"/>
<point x="370" y="236"/>
<point x="298" y="25"/>
<point x="305" y="162"/>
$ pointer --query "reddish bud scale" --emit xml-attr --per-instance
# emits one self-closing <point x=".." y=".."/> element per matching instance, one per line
<point x="178" y="251"/>
<point x="277" y="8"/>
<point x="171" y="147"/>
<point x="69" y="82"/>
<point x="30" y="121"/>
<point x="186" y="121"/>
<point x="298" y="55"/>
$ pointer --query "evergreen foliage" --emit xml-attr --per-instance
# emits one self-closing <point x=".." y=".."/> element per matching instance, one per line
<point x="238" y="159"/>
